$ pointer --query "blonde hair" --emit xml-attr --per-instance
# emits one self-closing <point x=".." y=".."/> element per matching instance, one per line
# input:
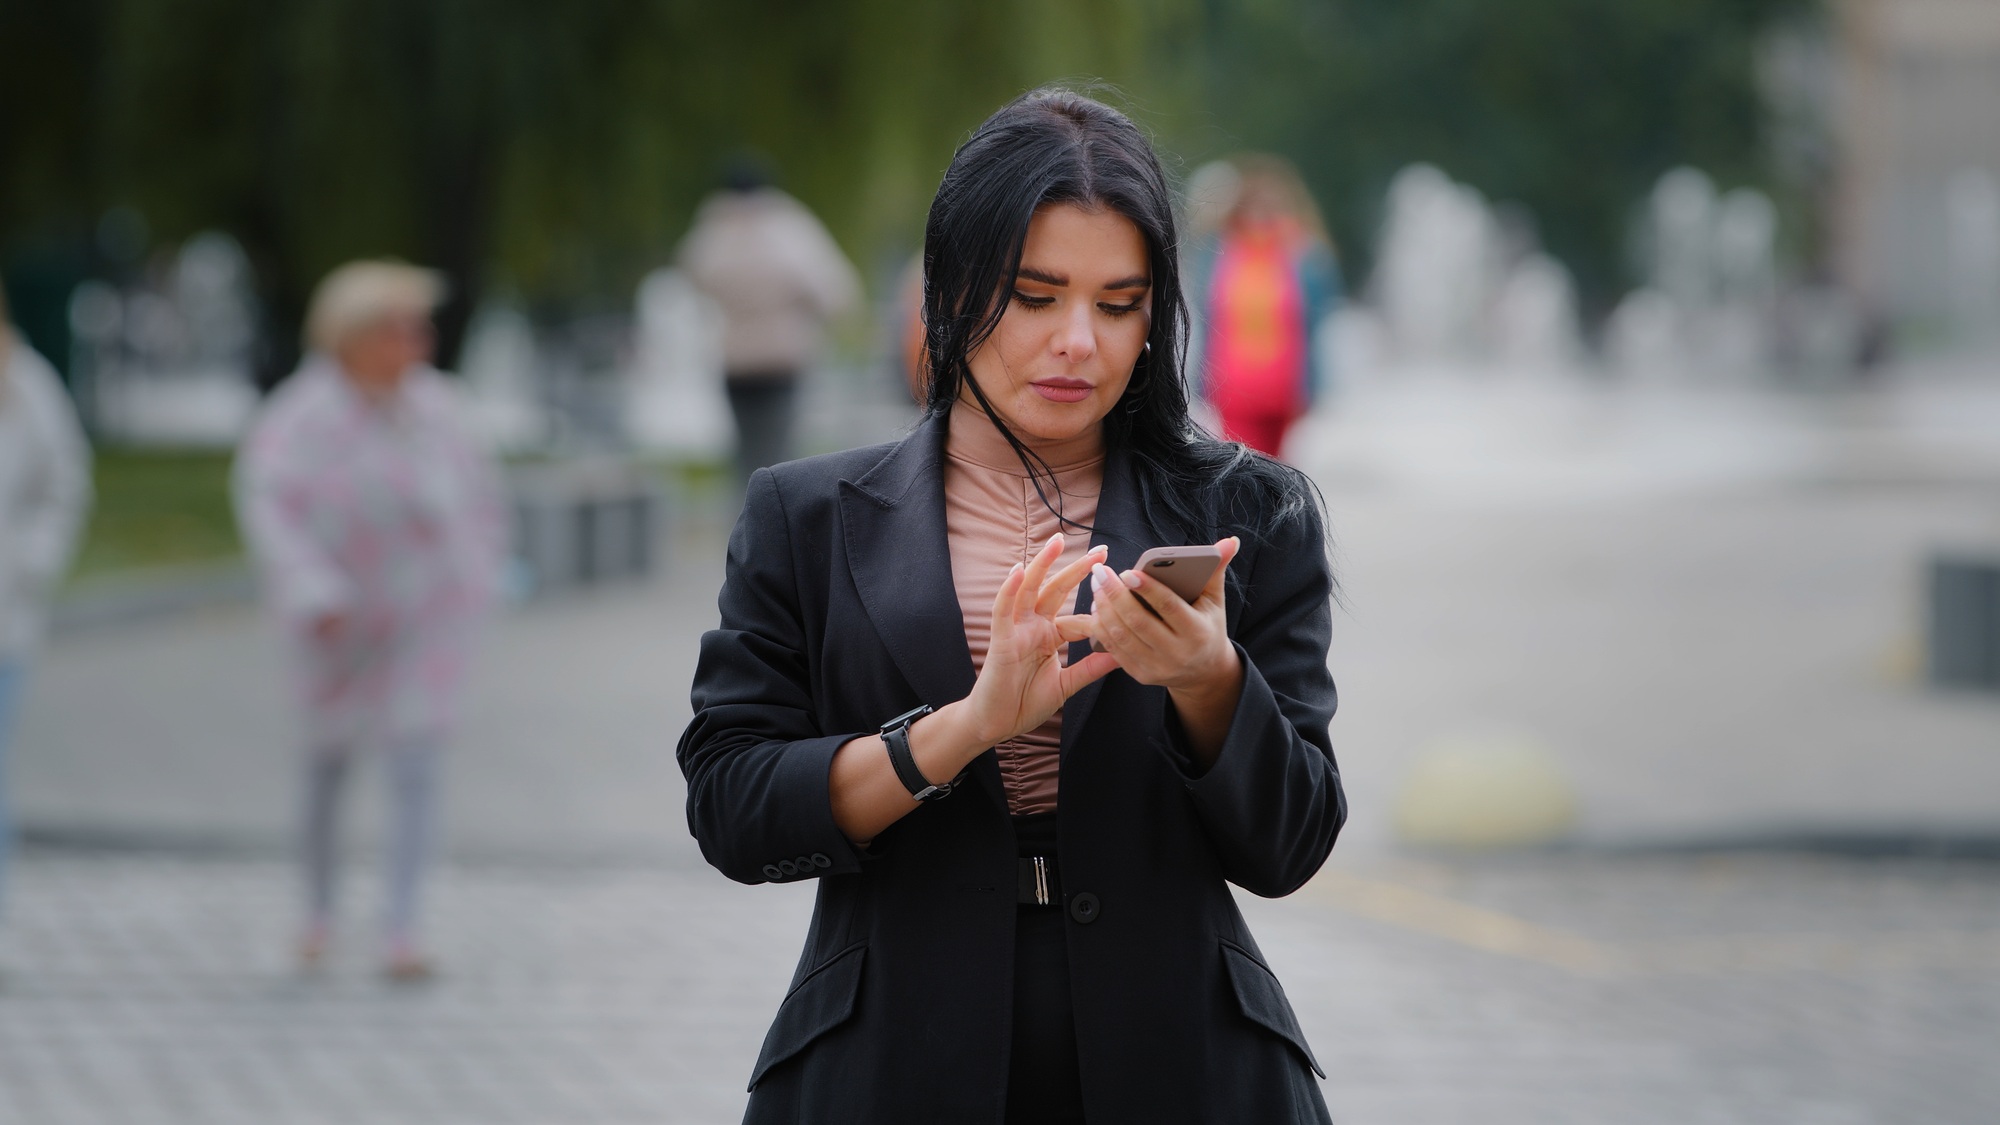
<point x="1281" y="179"/>
<point x="359" y="294"/>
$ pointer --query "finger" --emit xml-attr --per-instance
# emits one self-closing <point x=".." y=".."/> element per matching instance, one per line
<point x="1038" y="567"/>
<point x="1218" y="582"/>
<point x="1090" y="668"/>
<point x="1003" y="603"/>
<point x="1062" y="583"/>
<point x="1155" y="594"/>
<point x="1074" y="627"/>
<point x="1125" y="623"/>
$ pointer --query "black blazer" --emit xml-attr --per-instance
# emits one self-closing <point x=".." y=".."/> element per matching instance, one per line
<point x="838" y="613"/>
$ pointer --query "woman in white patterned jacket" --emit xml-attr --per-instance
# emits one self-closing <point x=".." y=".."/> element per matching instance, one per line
<point x="378" y="527"/>
<point x="44" y="492"/>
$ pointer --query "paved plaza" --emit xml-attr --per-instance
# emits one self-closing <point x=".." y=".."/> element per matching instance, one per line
<point x="1723" y="666"/>
<point x="1561" y="989"/>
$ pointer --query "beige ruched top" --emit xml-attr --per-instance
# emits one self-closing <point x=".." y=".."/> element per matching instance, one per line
<point x="994" y="519"/>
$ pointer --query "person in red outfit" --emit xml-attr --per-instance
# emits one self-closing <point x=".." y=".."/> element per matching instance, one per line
<point x="1271" y="280"/>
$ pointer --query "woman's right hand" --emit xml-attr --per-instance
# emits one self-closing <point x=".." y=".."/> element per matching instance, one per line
<point x="1022" y="683"/>
<point x="1025" y="679"/>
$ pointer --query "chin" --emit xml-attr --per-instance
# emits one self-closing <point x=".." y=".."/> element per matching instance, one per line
<point x="1051" y="422"/>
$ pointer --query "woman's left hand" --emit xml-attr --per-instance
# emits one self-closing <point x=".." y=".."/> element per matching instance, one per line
<point x="1181" y="646"/>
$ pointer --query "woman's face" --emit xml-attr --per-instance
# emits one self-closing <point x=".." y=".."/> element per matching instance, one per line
<point x="1075" y="322"/>
<point x="377" y="356"/>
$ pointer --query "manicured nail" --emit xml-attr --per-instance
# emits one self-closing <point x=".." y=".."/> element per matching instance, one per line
<point x="1131" y="578"/>
<point x="1101" y="577"/>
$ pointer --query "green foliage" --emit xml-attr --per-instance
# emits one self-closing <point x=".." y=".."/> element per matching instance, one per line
<point x="1570" y="108"/>
<point x="560" y="148"/>
<point x="157" y="508"/>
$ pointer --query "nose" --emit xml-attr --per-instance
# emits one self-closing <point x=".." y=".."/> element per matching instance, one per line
<point x="1076" y="336"/>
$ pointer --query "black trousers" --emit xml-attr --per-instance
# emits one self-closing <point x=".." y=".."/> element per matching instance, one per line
<point x="764" y="404"/>
<point x="1044" y="1085"/>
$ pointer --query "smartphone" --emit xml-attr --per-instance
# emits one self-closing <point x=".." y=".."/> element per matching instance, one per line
<point x="1184" y="570"/>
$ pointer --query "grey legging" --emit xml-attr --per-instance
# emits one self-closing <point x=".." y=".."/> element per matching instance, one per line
<point x="413" y="768"/>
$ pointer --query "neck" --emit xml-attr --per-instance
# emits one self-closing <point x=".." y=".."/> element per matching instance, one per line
<point x="974" y="437"/>
<point x="372" y="386"/>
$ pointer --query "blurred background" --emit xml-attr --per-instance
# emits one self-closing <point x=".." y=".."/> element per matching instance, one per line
<point x="1659" y="426"/>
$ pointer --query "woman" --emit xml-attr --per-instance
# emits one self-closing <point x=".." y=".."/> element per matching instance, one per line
<point x="1047" y="935"/>
<point x="1268" y="283"/>
<point x="44" y="493"/>
<point x="377" y="524"/>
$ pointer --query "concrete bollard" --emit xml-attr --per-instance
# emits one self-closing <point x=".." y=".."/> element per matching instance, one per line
<point x="1485" y="790"/>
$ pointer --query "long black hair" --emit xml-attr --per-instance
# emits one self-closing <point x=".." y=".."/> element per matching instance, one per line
<point x="1050" y="146"/>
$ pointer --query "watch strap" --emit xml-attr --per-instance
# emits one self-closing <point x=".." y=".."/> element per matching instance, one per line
<point x="896" y="736"/>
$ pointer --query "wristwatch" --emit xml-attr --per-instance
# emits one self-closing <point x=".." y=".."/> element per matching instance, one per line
<point x="896" y="736"/>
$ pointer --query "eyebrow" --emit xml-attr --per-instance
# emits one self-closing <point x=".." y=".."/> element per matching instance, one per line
<point x="1030" y="273"/>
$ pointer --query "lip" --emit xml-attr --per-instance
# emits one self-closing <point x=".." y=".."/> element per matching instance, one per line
<point x="1062" y="390"/>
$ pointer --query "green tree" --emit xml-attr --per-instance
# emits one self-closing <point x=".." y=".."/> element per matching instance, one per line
<point x="1569" y="108"/>
<point x="560" y="147"/>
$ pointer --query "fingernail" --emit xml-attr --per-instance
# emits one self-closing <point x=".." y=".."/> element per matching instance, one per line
<point x="1101" y="576"/>
<point x="1130" y="578"/>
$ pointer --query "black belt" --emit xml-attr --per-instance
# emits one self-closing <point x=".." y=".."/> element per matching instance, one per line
<point x="1040" y="882"/>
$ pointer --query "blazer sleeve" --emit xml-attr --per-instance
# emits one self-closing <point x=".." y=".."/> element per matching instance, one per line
<point x="1272" y="801"/>
<point x="755" y="758"/>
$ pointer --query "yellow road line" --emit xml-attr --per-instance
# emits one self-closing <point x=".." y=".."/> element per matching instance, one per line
<point x="1490" y="931"/>
<point x="1472" y="926"/>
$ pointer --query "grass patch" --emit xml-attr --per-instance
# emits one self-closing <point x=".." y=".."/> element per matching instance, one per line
<point x="158" y="508"/>
<point x="165" y="508"/>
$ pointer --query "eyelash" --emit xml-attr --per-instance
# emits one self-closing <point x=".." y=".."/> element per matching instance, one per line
<point x="1034" y="303"/>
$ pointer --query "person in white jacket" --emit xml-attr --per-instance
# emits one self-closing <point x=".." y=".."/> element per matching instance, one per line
<point x="778" y="277"/>
<point x="44" y="494"/>
<point x="377" y="525"/>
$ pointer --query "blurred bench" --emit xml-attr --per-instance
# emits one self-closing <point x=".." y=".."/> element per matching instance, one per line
<point x="1964" y="635"/>
<point x="580" y="523"/>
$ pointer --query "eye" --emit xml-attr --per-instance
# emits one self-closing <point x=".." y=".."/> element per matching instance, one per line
<point x="1121" y="310"/>
<point x="1029" y="302"/>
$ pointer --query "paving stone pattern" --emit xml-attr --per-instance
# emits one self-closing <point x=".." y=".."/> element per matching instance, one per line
<point x="156" y="989"/>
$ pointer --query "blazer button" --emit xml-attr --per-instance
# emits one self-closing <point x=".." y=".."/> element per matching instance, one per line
<point x="773" y="872"/>
<point x="805" y="863"/>
<point x="1083" y="908"/>
<point x="820" y="860"/>
<point x="788" y="867"/>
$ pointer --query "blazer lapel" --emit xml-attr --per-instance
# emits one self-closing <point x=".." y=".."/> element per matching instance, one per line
<point x="1122" y="528"/>
<point x="897" y="551"/>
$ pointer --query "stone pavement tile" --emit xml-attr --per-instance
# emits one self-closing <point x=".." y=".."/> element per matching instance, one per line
<point x="1418" y="1018"/>
<point x="156" y="989"/>
<point x="160" y="987"/>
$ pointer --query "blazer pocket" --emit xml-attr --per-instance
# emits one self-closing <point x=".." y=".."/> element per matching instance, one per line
<point x="1263" y="1000"/>
<point x="815" y="1006"/>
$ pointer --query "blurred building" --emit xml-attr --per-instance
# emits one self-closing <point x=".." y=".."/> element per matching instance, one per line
<point x="1915" y="207"/>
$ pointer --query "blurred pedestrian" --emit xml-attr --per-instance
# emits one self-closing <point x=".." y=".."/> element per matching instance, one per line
<point x="906" y="332"/>
<point x="44" y="493"/>
<point x="377" y="524"/>
<point x="1023" y="847"/>
<point x="1266" y="284"/>
<point x="778" y="277"/>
